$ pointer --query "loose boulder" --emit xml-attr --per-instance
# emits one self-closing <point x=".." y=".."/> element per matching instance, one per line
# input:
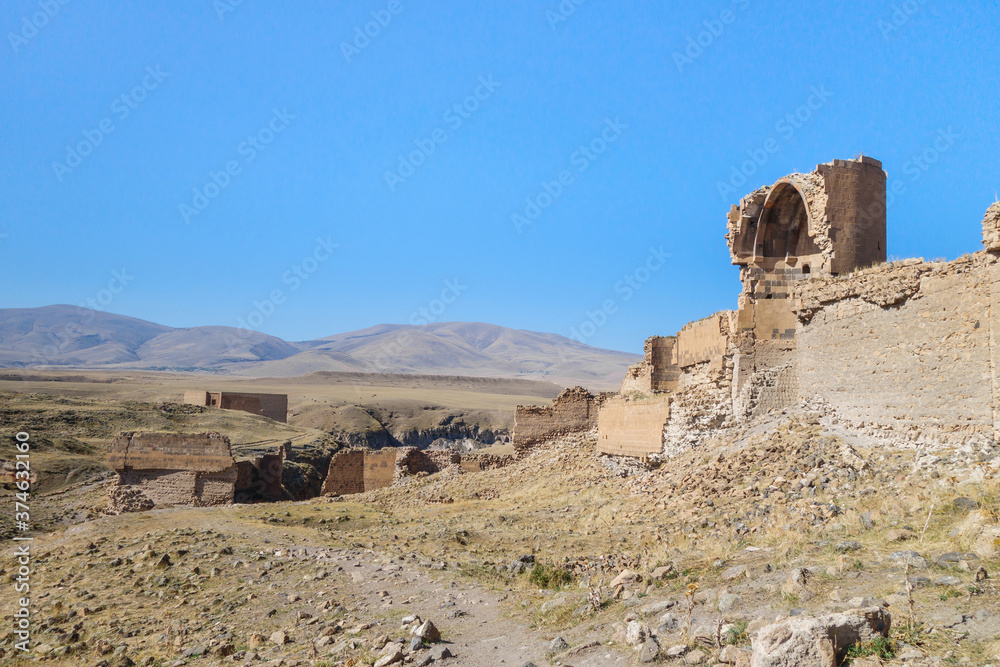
<point x="820" y="641"/>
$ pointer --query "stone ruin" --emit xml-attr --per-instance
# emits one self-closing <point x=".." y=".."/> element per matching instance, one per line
<point x="571" y="411"/>
<point x="360" y="470"/>
<point x="188" y="469"/>
<point x="173" y="469"/>
<point x="991" y="228"/>
<point x="272" y="406"/>
<point x="907" y="352"/>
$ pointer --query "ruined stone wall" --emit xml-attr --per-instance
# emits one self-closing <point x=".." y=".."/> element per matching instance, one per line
<point x="379" y="469"/>
<point x="346" y="474"/>
<point x="702" y="405"/>
<point x="175" y="468"/>
<point x="260" y="478"/>
<point x="360" y="470"/>
<point x="441" y="459"/>
<point x="481" y="462"/>
<point x="664" y="372"/>
<point x="182" y="487"/>
<point x="572" y="411"/>
<point x="658" y="371"/>
<point x="632" y="427"/>
<point x="196" y="397"/>
<point x="215" y="488"/>
<point x="638" y="378"/>
<point x="991" y="228"/>
<point x="272" y="406"/>
<point x="905" y="350"/>
<point x="701" y="341"/>
<point x="908" y="351"/>
<point x="206" y="452"/>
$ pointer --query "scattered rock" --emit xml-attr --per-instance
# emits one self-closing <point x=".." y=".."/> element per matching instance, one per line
<point x="819" y="642"/>
<point x="727" y="601"/>
<point x="558" y="645"/>
<point x="965" y="504"/>
<point x="696" y="657"/>
<point x="635" y="633"/>
<point x="915" y="560"/>
<point x="396" y="655"/>
<point x="649" y="651"/>
<point x="677" y="651"/>
<point x="626" y="577"/>
<point x="427" y="632"/>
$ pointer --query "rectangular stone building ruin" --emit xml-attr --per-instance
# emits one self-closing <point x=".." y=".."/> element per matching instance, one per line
<point x="175" y="468"/>
<point x="272" y="406"/>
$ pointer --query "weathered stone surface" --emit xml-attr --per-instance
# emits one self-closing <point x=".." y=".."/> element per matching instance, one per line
<point x="991" y="228"/>
<point x="171" y="468"/>
<point x="817" y="642"/>
<point x="573" y="410"/>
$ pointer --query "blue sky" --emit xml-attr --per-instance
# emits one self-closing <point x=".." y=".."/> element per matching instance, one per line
<point x="537" y="165"/>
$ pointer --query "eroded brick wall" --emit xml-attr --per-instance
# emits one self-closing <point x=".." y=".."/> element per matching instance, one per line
<point x="380" y="469"/>
<point x="272" y="406"/>
<point x="632" y="427"/>
<point x="176" y="468"/>
<point x="918" y="369"/>
<point x="346" y="474"/>
<point x="572" y="411"/>
<point x="360" y="470"/>
<point x="704" y="340"/>
<point x="481" y="462"/>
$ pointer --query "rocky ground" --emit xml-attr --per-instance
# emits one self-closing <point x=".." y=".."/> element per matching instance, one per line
<point x="564" y="558"/>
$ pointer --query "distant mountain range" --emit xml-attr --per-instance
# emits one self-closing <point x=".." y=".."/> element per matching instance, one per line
<point x="69" y="336"/>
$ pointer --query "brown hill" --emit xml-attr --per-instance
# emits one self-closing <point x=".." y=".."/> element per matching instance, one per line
<point x="69" y="336"/>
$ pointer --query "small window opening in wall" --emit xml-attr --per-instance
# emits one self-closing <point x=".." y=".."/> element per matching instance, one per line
<point x="806" y="269"/>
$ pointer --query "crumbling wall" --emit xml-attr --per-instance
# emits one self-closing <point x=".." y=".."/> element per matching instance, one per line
<point x="628" y="426"/>
<point x="360" y="470"/>
<point x="991" y="228"/>
<point x="481" y="462"/>
<point x="380" y="469"/>
<point x="260" y="478"/>
<point x="905" y="351"/>
<point x="272" y="406"/>
<point x="346" y="474"/>
<point x="441" y="458"/>
<point x="176" y="469"/>
<point x="638" y="378"/>
<point x="704" y="340"/>
<point x="658" y="371"/>
<point x="702" y="405"/>
<point x="572" y="411"/>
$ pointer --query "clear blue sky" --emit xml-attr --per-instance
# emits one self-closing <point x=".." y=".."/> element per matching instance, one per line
<point x="313" y="134"/>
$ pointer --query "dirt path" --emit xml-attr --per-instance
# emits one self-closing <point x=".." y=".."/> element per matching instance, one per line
<point x="274" y="577"/>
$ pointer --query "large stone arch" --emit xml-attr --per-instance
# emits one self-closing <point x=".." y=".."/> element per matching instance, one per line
<point x="785" y="224"/>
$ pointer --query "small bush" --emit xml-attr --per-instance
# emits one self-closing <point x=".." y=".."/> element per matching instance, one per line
<point x="880" y="647"/>
<point x="549" y="576"/>
<point x="737" y="634"/>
